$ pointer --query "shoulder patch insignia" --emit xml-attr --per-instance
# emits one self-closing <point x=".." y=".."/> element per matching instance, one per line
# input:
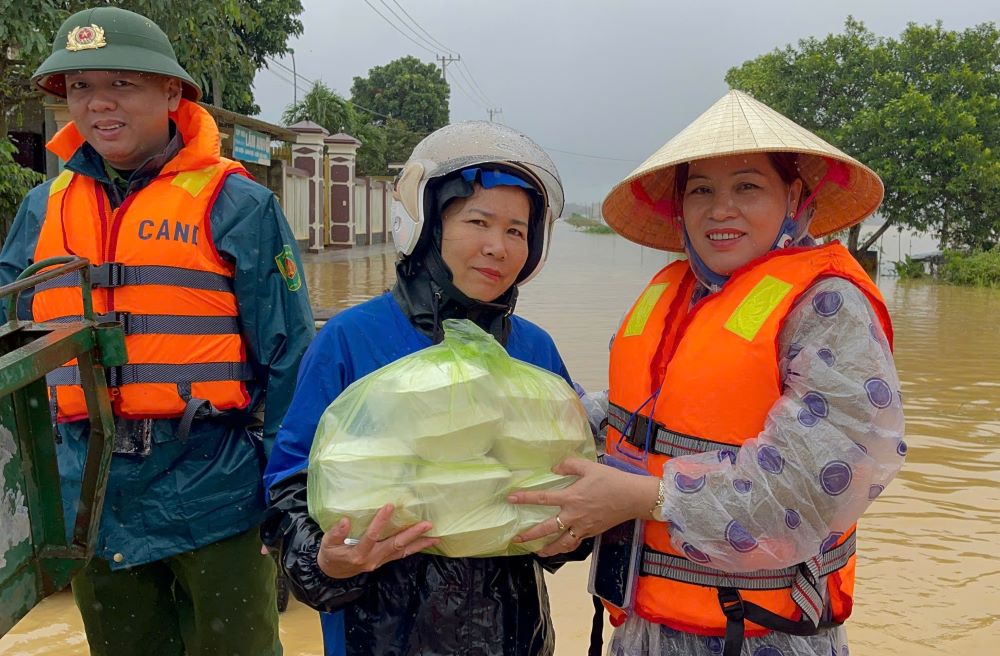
<point x="289" y="270"/>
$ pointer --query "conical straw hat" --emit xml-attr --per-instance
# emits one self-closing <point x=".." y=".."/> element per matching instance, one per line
<point x="641" y="208"/>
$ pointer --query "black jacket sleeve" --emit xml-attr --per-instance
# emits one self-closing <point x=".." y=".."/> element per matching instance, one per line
<point x="288" y="528"/>
<point x="552" y="563"/>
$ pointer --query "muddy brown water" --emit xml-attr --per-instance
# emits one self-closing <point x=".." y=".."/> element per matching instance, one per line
<point x="929" y="565"/>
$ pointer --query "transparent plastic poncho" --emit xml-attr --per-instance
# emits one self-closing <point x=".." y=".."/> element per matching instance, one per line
<point x="445" y="434"/>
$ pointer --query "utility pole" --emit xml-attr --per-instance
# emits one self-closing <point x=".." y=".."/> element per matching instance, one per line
<point x="491" y="112"/>
<point x="445" y="60"/>
<point x="295" y="80"/>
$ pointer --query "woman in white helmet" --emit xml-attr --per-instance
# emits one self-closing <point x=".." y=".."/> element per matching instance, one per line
<point x="472" y="215"/>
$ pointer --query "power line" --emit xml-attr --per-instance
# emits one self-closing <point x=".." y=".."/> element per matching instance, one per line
<point x="466" y="93"/>
<point x="393" y="25"/>
<point x="441" y="45"/>
<point x="429" y="40"/>
<point x="485" y="100"/>
<point x="292" y="71"/>
<point x="312" y="83"/>
<point x="403" y="22"/>
<point x="279" y="75"/>
<point x="610" y="159"/>
<point x="491" y="111"/>
<point x="462" y="64"/>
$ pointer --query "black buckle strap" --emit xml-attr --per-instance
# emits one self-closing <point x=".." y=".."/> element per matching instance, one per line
<point x="732" y="607"/>
<point x="109" y="274"/>
<point x="193" y="408"/>
<point x="662" y="441"/>
<point x="738" y="612"/>
<point x="731" y="603"/>
<point x="637" y="432"/>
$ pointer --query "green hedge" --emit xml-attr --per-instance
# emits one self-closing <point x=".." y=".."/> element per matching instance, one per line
<point x="15" y="182"/>
<point x="909" y="269"/>
<point x="978" y="268"/>
<point x="586" y="224"/>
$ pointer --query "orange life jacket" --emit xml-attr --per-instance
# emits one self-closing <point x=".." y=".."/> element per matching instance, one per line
<point x="154" y="269"/>
<point x="716" y="368"/>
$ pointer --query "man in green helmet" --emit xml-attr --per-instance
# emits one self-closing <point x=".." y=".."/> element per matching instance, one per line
<point x="198" y="264"/>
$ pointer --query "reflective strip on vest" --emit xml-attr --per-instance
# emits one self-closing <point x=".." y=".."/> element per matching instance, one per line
<point x="664" y="441"/>
<point x="200" y="372"/>
<point x="678" y="568"/>
<point x="173" y="293"/>
<point x="167" y="324"/>
<point x="113" y="274"/>
<point x="691" y="358"/>
<point x="803" y="579"/>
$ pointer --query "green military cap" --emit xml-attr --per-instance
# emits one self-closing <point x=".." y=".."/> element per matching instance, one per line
<point x="110" y="39"/>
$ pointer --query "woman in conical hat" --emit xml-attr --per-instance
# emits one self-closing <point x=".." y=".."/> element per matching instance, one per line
<point x="754" y="411"/>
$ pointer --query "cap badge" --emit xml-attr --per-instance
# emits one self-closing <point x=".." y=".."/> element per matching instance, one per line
<point x="85" y="37"/>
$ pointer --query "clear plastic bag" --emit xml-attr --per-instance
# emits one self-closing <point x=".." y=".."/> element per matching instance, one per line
<point x="445" y="434"/>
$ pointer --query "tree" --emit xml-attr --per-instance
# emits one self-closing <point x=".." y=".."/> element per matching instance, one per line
<point x="406" y="97"/>
<point x="223" y="43"/>
<point x="15" y="182"/>
<point x="26" y="33"/>
<point x="921" y="110"/>
<point x="325" y="107"/>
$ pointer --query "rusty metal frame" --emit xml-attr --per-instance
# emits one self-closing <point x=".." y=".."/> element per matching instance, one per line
<point x="29" y="351"/>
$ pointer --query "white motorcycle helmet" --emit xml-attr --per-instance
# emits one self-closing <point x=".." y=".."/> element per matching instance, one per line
<point x="466" y="145"/>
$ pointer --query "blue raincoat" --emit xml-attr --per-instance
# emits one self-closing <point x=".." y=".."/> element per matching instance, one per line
<point x="353" y="344"/>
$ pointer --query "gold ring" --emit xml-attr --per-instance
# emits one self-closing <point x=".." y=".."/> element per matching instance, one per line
<point x="559" y="523"/>
<point x="572" y="534"/>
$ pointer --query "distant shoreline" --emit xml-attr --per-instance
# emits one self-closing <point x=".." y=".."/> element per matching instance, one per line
<point x="585" y="224"/>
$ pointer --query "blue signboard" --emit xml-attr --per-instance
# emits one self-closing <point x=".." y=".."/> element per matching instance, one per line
<point x="251" y="146"/>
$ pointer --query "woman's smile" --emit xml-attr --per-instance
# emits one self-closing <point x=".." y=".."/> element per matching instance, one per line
<point x="484" y="240"/>
<point x="492" y="274"/>
<point x="733" y="208"/>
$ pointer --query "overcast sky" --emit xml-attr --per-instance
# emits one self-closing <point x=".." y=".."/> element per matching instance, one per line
<point x="612" y="79"/>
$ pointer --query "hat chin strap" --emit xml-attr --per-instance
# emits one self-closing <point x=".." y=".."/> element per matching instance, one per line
<point x="794" y="229"/>
<point x="792" y="232"/>
<point x="711" y="280"/>
<point x="836" y="172"/>
<point x="426" y="293"/>
<point x="491" y="316"/>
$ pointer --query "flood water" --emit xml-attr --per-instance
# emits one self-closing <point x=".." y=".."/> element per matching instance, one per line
<point x="929" y="566"/>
